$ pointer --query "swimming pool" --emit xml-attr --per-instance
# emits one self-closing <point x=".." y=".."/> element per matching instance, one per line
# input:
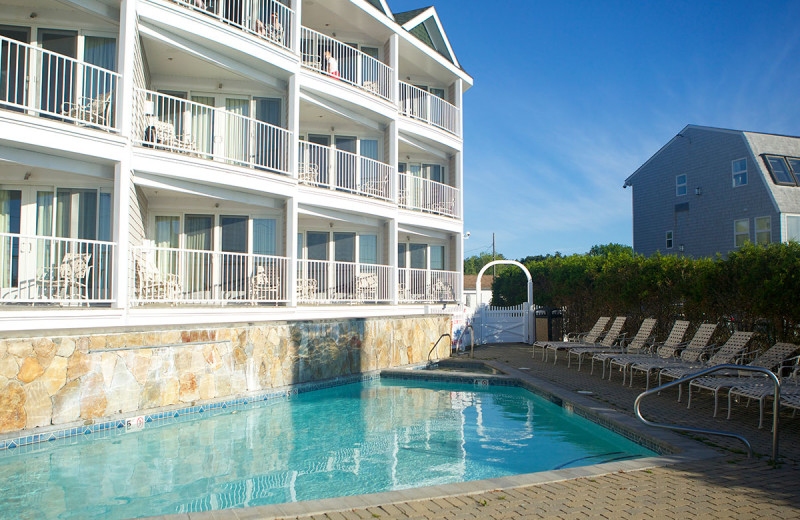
<point x="353" y="439"/>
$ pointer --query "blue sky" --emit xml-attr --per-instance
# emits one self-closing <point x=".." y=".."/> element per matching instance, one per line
<point x="570" y="97"/>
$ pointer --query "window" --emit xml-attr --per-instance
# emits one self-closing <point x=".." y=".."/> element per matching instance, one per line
<point x="779" y="170"/>
<point x="437" y="258"/>
<point x="680" y="185"/>
<point x="793" y="228"/>
<point x="669" y="239"/>
<point x="401" y="255"/>
<point x="368" y="249"/>
<point x="763" y="230"/>
<point x="739" y="172"/>
<point x="741" y="232"/>
<point x="794" y="164"/>
<point x="418" y="260"/>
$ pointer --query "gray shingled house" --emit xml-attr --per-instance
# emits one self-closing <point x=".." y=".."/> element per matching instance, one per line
<point x="710" y="190"/>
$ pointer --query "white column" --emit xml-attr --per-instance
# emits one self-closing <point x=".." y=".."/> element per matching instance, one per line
<point x="394" y="62"/>
<point x="458" y="161"/>
<point x="293" y="122"/>
<point x="125" y="57"/>
<point x="393" y="241"/>
<point x="393" y="136"/>
<point x="297" y="6"/>
<point x="459" y="102"/>
<point x="291" y="254"/>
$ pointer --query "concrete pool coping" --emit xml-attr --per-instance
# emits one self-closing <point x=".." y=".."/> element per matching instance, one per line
<point x="680" y="449"/>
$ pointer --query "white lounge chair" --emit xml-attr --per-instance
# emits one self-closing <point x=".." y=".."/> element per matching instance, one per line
<point x="592" y="336"/>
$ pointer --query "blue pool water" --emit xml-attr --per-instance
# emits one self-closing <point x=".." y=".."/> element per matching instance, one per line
<point x="353" y="439"/>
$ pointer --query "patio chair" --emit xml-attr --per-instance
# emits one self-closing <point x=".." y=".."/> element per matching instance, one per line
<point x="162" y="134"/>
<point x="594" y="335"/>
<point x="693" y="352"/>
<point x="761" y="391"/>
<point x="640" y="343"/>
<point x="306" y="289"/>
<point x="772" y="359"/>
<point x="153" y="285"/>
<point x="308" y="173"/>
<point x="367" y="287"/>
<point x="68" y="280"/>
<point x="611" y="341"/>
<point x="95" y="111"/>
<point x="728" y="353"/>
<point x="668" y="349"/>
<point x="442" y="291"/>
<point x="264" y="285"/>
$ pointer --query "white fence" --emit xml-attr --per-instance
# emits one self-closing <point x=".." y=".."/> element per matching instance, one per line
<point x="419" y="104"/>
<point x="343" y="62"/>
<point x="320" y="281"/>
<point x="175" y="124"/>
<point x="269" y="19"/>
<point x="502" y="324"/>
<point x="52" y="85"/>
<point x="427" y="195"/>
<point x="58" y="270"/>
<point x="170" y="275"/>
<point x="422" y="285"/>
<point x="336" y="169"/>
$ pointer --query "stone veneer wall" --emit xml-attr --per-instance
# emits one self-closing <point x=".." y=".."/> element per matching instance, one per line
<point x="51" y="381"/>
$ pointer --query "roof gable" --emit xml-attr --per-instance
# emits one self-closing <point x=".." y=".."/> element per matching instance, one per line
<point x="425" y="25"/>
<point x="381" y="6"/>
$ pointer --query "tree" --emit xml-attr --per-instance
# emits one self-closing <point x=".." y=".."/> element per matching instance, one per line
<point x="475" y="263"/>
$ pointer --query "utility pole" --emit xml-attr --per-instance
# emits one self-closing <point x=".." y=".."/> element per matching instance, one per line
<point x="494" y="266"/>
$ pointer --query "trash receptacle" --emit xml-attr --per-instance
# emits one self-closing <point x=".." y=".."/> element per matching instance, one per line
<point x="548" y="324"/>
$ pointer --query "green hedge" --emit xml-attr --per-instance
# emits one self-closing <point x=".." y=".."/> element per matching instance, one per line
<point x="755" y="288"/>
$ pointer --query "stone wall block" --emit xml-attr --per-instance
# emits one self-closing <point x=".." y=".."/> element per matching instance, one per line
<point x="78" y="365"/>
<point x="12" y="408"/>
<point x="66" y="346"/>
<point x="188" y="388"/>
<point x="93" y="396"/>
<point x="20" y="348"/>
<point x="55" y="377"/>
<point x="98" y="341"/>
<point x="206" y="386"/>
<point x="38" y="406"/>
<point x="45" y="350"/>
<point x="9" y="366"/>
<point x="29" y="370"/>
<point x="108" y="361"/>
<point x="67" y="404"/>
<point x="82" y="343"/>
<point x="124" y="390"/>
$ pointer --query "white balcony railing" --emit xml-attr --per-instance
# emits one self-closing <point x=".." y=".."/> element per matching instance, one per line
<point x="322" y="281"/>
<point x="269" y="19"/>
<point x="327" y="167"/>
<point x="44" y="83"/>
<point x="58" y="270"/>
<point x="175" y="124"/>
<point x="419" y="104"/>
<point x="166" y="275"/>
<point x="422" y="285"/>
<point x="320" y="53"/>
<point x="427" y="195"/>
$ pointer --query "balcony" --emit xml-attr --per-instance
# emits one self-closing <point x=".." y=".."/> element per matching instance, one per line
<point x="430" y="196"/>
<point x="424" y="106"/>
<point x="422" y="285"/>
<point x="340" y="61"/>
<point x="38" y="82"/>
<point x="184" y="276"/>
<point x="327" y="167"/>
<point x="322" y="281"/>
<point x="268" y="19"/>
<point x="169" y="123"/>
<point x="62" y="271"/>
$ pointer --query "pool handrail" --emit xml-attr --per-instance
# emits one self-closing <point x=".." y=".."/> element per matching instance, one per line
<point x="437" y="342"/>
<point x="776" y="406"/>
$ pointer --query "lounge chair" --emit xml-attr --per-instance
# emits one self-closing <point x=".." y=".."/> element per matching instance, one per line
<point x="728" y="353"/>
<point x="611" y="341"/>
<point x="760" y="391"/>
<point x="694" y="350"/>
<point x="771" y="359"/>
<point x="668" y="349"/>
<point x="639" y="344"/>
<point x="153" y="285"/>
<point x="592" y="336"/>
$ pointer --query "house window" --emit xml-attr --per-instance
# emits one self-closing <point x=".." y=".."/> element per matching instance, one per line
<point x="779" y="170"/>
<point x="741" y="232"/>
<point x="680" y="185"/>
<point x="739" y="172"/>
<point x="793" y="228"/>
<point x="437" y="258"/>
<point x="794" y="164"/>
<point x="368" y="249"/>
<point x="669" y="239"/>
<point x="763" y="230"/>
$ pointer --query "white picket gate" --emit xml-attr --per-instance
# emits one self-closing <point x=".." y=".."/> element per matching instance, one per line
<point x="502" y="324"/>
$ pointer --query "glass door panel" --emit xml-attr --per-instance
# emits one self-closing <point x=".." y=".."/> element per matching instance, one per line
<point x="319" y="158"/>
<point x="268" y="110"/>
<point x="234" y="266"/>
<point x="58" y="75"/>
<point x="10" y="218"/>
<point x="198" y="265"/>
<point x="317" y="272"/>
<point x="344" y="251"/>
<point x="13" y="67"/>
<point x="237" y="130"/>
<point x="202" y="124"/>
<point x="168" y="236"/>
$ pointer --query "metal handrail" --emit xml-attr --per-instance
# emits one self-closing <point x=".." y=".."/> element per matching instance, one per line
<point x="437" y="342"/>
<point x="471" y="339"/>
<point x="775" y="411"/>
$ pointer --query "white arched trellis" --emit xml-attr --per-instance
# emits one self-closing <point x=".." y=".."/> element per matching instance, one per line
<point x="525" y="318"/>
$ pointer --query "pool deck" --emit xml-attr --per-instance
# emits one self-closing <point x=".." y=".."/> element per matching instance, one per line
<point x="710" y="478"/>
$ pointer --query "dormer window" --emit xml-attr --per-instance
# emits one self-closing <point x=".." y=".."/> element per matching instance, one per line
<point x="780" y="170"/>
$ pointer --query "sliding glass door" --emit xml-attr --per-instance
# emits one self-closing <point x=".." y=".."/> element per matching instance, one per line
<point x="57" y="75"/>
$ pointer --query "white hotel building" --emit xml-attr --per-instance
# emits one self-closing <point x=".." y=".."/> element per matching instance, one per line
<point x="169" y="162"/>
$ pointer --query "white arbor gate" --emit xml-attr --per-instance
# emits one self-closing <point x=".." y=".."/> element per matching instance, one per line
<point x="504" y="324"/>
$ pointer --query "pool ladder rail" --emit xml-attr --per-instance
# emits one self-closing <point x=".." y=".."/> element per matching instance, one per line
<point x="776" y="406"/>
<point x="450" y="338"/>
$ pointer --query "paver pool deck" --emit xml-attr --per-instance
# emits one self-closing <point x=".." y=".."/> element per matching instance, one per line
<point x="724" y="483"/>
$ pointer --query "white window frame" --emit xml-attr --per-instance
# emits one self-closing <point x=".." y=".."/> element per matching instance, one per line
<point x="681" y="188"/>
<point x="670" y="239"/>
<point x="785" y="228"/>
<point x="767" y="229"/>
<point x="738" y="175"/>
<point x="738" y="234"/>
